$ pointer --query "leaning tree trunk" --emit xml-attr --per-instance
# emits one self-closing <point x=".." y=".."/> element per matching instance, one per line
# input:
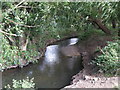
<point x="99" y="23"/>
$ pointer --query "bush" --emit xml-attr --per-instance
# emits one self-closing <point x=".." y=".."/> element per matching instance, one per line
<point x="108" y="61"/>
<point x="10" y="55"/>
<point x="25" y="83"/>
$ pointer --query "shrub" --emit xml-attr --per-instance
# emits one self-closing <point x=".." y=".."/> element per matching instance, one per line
<point x="108" y="61"/>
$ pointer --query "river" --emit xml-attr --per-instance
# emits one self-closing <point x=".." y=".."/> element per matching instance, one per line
<point x="52" y="71"/>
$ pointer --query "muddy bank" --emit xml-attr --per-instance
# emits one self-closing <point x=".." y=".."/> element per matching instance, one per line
<point x="89" y="76"/>
<point x="91" y="81"/>
<point x="88" y="49"/>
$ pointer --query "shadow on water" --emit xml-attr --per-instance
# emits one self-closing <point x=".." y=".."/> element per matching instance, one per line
<point x="53" y="71"/>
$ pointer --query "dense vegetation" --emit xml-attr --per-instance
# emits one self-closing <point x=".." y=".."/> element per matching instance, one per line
<point x="28" y="27"/>
<point x="108" y="61"/>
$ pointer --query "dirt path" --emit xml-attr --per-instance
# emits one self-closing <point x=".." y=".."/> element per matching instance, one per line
<point x="88" y="77"/>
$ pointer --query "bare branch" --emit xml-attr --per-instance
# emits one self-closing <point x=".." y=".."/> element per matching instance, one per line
<point x="8" y="33"/>
<point x="9" y="10"/>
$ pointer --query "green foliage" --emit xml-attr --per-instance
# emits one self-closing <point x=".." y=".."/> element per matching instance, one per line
<point x="25" y="83"/>
<point x="11" y="55"/>
<point x="117" y="87"/>
<point x="90" y="33"/>
<point x="108" y="61"/>
<point x="8" y="55"/>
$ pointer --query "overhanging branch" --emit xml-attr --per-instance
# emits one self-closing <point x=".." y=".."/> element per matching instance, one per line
<point x="8" y="33"/>
<point x="21" y="24"/>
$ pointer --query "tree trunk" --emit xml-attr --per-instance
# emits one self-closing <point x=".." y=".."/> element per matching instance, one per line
<point x="99" y="23"/>
<point x="23" y="42"/>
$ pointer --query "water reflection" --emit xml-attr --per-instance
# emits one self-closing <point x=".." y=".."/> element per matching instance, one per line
<point x="71" y="63"/>
<point x="51" y="58"/>
<point x="30" y="73"/>
<point x="51" y="55"/>
<point x="73" y="41"/>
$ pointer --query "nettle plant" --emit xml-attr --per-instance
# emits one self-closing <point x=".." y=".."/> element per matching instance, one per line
<point x="108" y="61"/>
<point x="25" y="83"/>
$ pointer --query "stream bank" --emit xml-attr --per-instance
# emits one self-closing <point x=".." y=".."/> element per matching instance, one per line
<point x="90" y="77"/>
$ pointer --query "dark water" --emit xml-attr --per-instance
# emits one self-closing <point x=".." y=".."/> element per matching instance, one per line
<point x="53" y="71"/>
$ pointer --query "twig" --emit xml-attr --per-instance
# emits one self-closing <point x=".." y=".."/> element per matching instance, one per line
<point x="101" y="50"/>
<point x="26" y="7"/>
<point x="9" y="10"/>
<point x="8" y="33"/>
<point x="21" y="24"/>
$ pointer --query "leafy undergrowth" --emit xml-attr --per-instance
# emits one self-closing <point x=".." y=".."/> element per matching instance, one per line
<point x="21" y="84"/>
<point x="108" y="62"/>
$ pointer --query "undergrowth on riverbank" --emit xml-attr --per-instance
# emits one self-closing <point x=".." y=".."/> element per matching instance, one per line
<point x="108" y="62"/>
<point x="11" y="56"/>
